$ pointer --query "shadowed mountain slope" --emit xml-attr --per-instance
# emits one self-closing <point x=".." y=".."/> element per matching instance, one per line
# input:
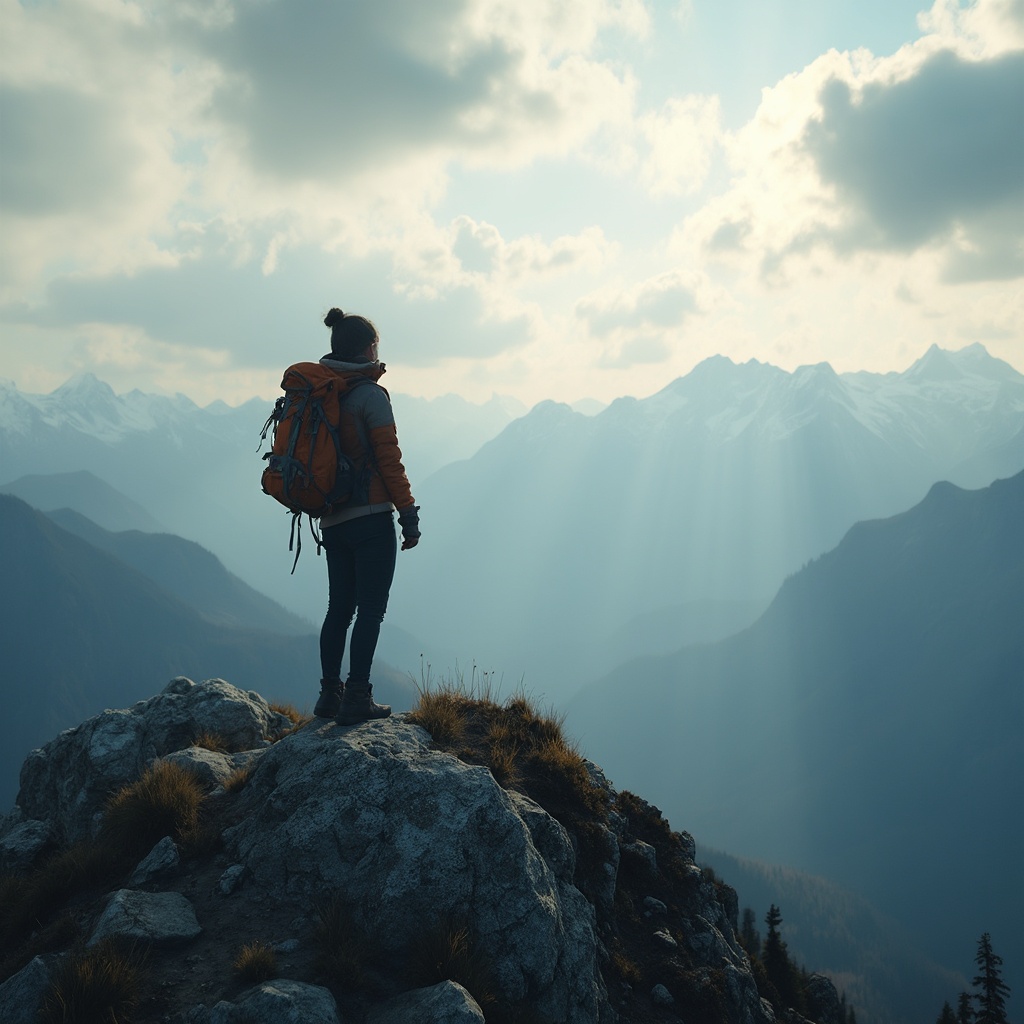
<point x="867" y="728"/>
<point x="190" y="572"/>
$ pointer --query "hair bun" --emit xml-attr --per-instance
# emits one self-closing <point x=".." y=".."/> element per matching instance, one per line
<point x="335" y="316"/>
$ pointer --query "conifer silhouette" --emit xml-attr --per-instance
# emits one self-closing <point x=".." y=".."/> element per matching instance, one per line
<point x="991" y="989"/>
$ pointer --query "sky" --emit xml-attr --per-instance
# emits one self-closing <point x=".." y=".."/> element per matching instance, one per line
<point x="558" y="199"/>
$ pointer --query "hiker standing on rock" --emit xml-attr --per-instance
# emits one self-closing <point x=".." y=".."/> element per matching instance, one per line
<point x="359" y="538"/>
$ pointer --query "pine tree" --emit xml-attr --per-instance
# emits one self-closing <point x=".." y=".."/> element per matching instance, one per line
<point x="749" y="935"/>
<point x="964" y="1010"/>
<point x="991" y="989"/>
<point x="947" y="1016"/>
<point x="775" y="958"/>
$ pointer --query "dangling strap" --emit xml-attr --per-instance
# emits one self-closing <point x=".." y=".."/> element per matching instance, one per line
<point x="295" y="539"/>
<point x="317" y="537"/>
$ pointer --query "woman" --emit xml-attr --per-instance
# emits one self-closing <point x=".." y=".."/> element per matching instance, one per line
<point x="360" y="538"/>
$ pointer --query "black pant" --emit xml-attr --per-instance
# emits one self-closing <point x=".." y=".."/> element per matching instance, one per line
<point x="360" y="567"/>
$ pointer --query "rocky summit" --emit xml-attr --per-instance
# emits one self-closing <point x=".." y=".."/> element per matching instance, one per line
<point x="353" y="874"/>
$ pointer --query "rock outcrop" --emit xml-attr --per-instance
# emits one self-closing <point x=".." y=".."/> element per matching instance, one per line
<point x="68" y="781"/>
<point x="411" y="843"/>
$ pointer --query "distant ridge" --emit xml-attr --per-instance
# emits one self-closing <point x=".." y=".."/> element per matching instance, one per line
<point x="190" y="572"/>
<point x="87" y="494"/>
<point x="711" y="491"/>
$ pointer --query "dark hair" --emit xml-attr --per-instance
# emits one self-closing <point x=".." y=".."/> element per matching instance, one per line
<point x="351" y="335"/>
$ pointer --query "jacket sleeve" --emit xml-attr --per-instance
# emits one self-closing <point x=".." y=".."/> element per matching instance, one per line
<point x="383" y="437"/>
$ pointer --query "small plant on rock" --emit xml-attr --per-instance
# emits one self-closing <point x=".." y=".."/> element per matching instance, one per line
<point x="165" y="801"/>
<point x="238" y="779"/>
<point x="344" y="947"/>
<point x="446" y="950"/>
<point x="100" y="984"/>
<point x="256" y="962"/>
<point x="211" y="741"/>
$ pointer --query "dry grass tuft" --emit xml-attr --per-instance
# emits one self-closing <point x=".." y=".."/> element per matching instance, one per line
<point x="292" y="713"/>
<point x="211" y="741"/>
<point x="165" y="801"/>
<point x="31" y="901"/>
<point x="625" y="968"/>
<point x="256" y="962"/>
<point x="344" y="948"/>
<point x="59" y="934"/>
<point x="238" y="779"/>
<point x="442" y="714"/>
<point x="101" y="984"/>
<point x="446" y="950"/>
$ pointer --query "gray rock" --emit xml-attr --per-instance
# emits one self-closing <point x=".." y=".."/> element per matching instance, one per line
<point x="416" y="834"/>
<point x="549" y="837"/>
<point x="23" y="843"/>
<point x="446" y="1003"/>
<point x="645" y="852"/>
<point x="273" y="1002"/>
<point x="231" y="879"/>
<point x="22" y="994"/>
<point x="68" y="780"/>
<point x="161" y="861"/>
<point x="210" y="767"/>
<point x="654" y="907"/>
<point x="661" y="996"/>
<point x="664" y="938"/>
<point x="162" y="918"/>
<point x="823" y="1002"/>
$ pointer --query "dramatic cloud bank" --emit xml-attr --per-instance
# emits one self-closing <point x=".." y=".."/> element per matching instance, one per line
<point x="548" y="198"/>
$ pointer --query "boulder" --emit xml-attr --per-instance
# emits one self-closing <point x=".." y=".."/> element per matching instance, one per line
<point x="273" y="1002"/>
<point x="447" y="1003"/>
<point x="22" y="994"/>
<point x="407" y="836"/>
<point x="161" y="861"/>
<point x="210" y="767"/>
<point x="160" y="918"/>
<point x="72" y="776"/>
<point x="823" y="1003"/>
<point x="23" y="842"/>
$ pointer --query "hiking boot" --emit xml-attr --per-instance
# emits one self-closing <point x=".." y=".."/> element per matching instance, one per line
<point x="357" y="704"/>
<point x="329" y="703"/>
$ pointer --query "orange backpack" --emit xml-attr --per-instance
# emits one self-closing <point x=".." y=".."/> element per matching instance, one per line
<point x="307" y="471"/>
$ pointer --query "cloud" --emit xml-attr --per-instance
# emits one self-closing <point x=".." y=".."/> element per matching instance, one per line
<point x="917" y="153"/>
<point x="60" y="150"/>
<point x="319" y="91"/>
<point x="682" y="138"/>
<point x="480" y="249"/>
<point x="211" y="302"/>
<point x="915" y="158"/>
<point x="664" y="302"/>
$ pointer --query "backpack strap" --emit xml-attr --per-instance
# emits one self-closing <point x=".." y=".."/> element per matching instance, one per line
<point x="360" y="427"/>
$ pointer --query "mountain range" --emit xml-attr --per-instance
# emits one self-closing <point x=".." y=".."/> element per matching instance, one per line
<point x="867" y="728"/>
<point x="196" y="471"/>
<point x="567" y="543"/>
<point x="685" y="511"/>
